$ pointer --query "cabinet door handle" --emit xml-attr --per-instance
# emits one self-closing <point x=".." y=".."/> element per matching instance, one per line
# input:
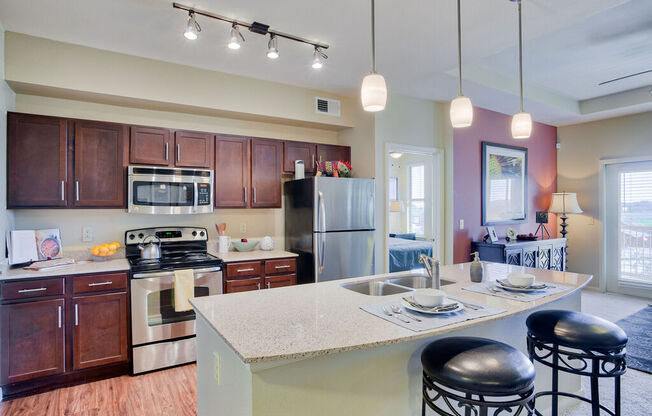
<point x="178" y="152"/>
<point x="40" y="289"/>
<point x="269" y="285"/>
<point x="282" y="267"/>
<point x="76" y="314"/>
<point x="59" y="312"/>
<point x="245" y="199"/>
<point x="250" y="269"/>
<point x="100" y="284"/>
<point x="254" y="194"/>
<point x="258" y="284"/>
<point x="77" y="189"/>
<point x="63" y="191"/>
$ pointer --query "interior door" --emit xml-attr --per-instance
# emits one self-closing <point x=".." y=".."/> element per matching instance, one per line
<point x="340" y="255"/>
<point x="628" y="228"/>
<point x="231" y="172"/>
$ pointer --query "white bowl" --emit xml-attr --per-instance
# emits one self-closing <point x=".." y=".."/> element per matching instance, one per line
<point x="429" y="297"/>
<point x="521" y="279"/>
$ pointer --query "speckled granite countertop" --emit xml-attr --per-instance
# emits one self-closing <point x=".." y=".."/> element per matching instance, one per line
<point x="81" y="267"/>
<point x="253" y="255"/>
<point x="323" y="318"/>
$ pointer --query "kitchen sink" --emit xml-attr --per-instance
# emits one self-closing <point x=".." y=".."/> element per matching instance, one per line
<point x="376" y="288"/>
<point x="416" y="282"/>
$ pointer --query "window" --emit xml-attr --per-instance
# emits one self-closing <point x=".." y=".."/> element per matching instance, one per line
<point x="635" y="225"/>
<point x="393" y="188"/>
<point x="416" y="206"/>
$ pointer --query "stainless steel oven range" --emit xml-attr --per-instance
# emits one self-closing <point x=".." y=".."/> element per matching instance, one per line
<point x="162" y="337"/>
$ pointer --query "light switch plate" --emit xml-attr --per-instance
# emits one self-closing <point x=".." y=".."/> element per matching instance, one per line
<point x="243" y="228"/>
<point x="87" y="233"/>
<point x="461" y="224"/>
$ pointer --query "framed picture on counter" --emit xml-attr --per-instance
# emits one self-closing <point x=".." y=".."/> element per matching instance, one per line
<point x="504" y="184"/>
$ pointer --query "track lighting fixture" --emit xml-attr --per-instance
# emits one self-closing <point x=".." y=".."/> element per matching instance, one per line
<point x="374" y="90"/>
<point x="461" y="111"/>
<point x="318" y="58"/>
<point x="522" y="121"/>
<point x="192" y="27"/>
<point x="235" y="37"/>
<point x="272" y="47"/>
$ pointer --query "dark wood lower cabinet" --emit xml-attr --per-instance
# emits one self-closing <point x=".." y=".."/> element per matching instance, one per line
<point x="257" y="275"/>
<point x="32" y="340"/>
<point x="57" y="337"/>
<point x="244" y="285"/>
<point x="100" y="330"/>
<point x="280" y="281"/>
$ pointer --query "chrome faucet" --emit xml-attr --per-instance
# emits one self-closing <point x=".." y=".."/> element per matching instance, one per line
<point x="432" y="266"/>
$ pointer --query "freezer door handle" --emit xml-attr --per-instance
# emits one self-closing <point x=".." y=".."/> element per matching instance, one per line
<point x="321" y="213"/>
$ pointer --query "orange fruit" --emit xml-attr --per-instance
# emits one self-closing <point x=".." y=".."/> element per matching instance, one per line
<point x="117" y="245"/>
<point x="95" y="251"/>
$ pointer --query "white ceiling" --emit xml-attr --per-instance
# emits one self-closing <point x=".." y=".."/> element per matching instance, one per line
<point x="570" y="46"/>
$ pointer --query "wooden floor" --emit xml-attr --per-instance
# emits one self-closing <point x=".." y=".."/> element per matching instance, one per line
<point x="169" y="392"/>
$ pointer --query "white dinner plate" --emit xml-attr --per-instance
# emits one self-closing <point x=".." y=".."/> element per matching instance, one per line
<point x="431" y="312"/>
<point x="520" y="289"/>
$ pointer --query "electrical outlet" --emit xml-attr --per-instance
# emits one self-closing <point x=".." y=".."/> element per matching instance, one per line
<point x="243" y="228"/>
<point x="217" y="373"/>
<point x="87" y="233"/>
<point x="558" y="145"/>
<point x="461" y="224"/>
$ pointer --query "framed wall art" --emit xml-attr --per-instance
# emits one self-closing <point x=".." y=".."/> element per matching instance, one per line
<point x="504" y="184"/>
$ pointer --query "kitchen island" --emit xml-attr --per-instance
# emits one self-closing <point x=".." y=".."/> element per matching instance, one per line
<point x="311" y="350"/>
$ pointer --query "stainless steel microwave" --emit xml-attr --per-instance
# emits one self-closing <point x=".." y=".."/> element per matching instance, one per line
<point x="170" y="191"/>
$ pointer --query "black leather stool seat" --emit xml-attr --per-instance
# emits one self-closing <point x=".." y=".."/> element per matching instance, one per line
<point x="576" y="330"/>
<point x="478" y="365"/>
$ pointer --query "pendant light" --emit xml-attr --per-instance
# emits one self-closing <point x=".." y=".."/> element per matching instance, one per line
<point x="374" y="89"/>
<point x="461" y="107"/>
<point x="522" y="121"/>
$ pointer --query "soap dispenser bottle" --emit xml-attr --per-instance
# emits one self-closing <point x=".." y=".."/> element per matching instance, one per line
<point x="477" y="273"/>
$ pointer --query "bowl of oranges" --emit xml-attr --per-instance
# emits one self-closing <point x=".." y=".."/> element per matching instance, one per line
<point x="104" y="251"/>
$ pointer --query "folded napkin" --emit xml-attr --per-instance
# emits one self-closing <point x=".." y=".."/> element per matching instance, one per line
<point x="184" y="289"/>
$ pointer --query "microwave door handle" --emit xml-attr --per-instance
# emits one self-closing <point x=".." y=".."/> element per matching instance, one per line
<point x="196" y="202"/>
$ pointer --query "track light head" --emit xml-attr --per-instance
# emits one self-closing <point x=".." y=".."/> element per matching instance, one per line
<point x="318" y="58"/>
<point x="235" y="37"/>
<point x="192" y="27"/>
<point x="272" y="47"/>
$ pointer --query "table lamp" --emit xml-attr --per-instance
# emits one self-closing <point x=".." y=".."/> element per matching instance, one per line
<point x="564" y="203"/>
<point x="396" y="206"/>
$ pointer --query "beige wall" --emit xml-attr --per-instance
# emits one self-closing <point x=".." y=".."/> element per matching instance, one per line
<point x="582" y="148"/>
<point x="7" y="98"/>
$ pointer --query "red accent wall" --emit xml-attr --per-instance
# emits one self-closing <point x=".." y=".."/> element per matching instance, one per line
<point x="467" y="177"/>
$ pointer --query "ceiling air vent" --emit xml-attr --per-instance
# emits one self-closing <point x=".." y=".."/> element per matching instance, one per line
<point x="327" y="106"/>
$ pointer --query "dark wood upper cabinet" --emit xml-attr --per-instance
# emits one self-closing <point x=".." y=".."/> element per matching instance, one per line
<point x="266" y="173"/>
<point x="193" y="149"/>
<point x="99" y="166"/>
<point x="293" y="151"/>
<point x="99" y="330"/>
<point x="232" y="172"/>
<point x="32" y="341"/>
<point x="149" y="146"/>
<point x="36" y="161"/>
<point x="331" y="152"/>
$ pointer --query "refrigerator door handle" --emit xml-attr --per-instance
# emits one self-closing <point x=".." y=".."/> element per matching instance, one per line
<point x="322" y="249"/>
<point x="321" y="214"/>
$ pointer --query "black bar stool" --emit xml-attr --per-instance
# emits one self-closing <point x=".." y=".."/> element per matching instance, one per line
<point x="476" y="374"/>
<point x="580" y="344"/>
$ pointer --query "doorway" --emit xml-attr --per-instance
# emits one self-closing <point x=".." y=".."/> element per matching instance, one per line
<point x="627" y="198"/>
<point x="412" y="205"/>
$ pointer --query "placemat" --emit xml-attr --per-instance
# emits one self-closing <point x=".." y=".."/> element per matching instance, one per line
<point x="470" y="311"/>
<point x="490" y="288"/>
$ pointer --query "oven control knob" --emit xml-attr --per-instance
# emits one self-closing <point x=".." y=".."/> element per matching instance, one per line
<point x="194" y="233"/>
<point x="141" y="235"/>
<point x="201" y="233"/>
<point x="131" y="236"/>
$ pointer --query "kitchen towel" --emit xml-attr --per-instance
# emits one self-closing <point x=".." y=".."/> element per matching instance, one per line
<point x="491" y="288"/>
<point x="184" y="289"/>
<point x="428" y="322"/>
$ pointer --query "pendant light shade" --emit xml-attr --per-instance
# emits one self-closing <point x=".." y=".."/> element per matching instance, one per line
<point x="461" y="112"/>
<point x="461" y="107"/>
<point x="521" y="125"/>
<point x="373" y="92"/>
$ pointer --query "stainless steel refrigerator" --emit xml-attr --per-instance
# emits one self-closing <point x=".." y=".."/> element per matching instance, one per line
<point x="329" y="222"/>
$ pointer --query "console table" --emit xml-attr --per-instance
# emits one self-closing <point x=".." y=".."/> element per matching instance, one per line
<point x="542" y="254"/>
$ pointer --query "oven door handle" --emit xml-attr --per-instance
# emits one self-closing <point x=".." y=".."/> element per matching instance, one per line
<point x="197" y="273"/>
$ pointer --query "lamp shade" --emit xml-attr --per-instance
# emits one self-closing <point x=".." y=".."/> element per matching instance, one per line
<point x="521" y="125"/>
<point x="373" y="92"/>
<point x="461" y="112"/>
<point x="396" y="206"/>
<point x="564" y="203"/>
